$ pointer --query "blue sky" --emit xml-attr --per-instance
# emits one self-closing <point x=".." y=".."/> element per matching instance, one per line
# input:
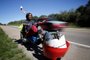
<point x="10" y="9"/>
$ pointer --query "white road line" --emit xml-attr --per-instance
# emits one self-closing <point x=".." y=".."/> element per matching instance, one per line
<point x="82" y="45"/>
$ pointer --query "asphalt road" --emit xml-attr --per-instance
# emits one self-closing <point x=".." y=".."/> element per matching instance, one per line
<point x="78" y="50"/>
<point x="78" y="35"/>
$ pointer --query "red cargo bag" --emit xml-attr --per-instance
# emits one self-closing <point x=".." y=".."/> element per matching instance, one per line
<point x="33" y="30"/>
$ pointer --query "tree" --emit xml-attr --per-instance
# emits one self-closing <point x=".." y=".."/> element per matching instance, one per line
<point x="0" y="23"/>
<point x="88" y="4"/>
<point x="35" y="17"/>
<point x="81" y="10"/>
<point x="84" y="17"/>
<point x="43" y="16"/>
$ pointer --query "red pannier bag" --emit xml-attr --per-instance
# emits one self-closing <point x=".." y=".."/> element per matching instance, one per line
<point x="33" y="30"/>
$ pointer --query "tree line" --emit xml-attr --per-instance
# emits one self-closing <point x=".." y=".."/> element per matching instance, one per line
<point x="79" y="16"/>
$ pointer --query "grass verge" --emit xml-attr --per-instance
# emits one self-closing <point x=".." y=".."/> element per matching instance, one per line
<point x="9" y="50"/>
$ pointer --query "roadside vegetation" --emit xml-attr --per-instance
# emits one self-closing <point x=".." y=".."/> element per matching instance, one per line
<point x="16" y="23"/>
<point x="8" y="49"/>
<point x="79" y="17"/>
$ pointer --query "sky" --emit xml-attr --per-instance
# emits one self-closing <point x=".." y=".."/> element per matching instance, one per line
<point x="10" y="9"/>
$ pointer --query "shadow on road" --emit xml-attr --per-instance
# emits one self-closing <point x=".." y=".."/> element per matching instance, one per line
<point x="38" y="53"/>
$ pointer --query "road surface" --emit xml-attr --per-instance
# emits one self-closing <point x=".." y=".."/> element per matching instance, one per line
<point x="78" y="50"/>
<point x="78" y="35"/>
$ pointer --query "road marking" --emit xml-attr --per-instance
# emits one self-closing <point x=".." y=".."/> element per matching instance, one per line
<point x="82" y="45"/>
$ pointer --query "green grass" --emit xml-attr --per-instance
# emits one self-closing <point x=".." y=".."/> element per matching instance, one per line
<point x="9" y="50"/>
